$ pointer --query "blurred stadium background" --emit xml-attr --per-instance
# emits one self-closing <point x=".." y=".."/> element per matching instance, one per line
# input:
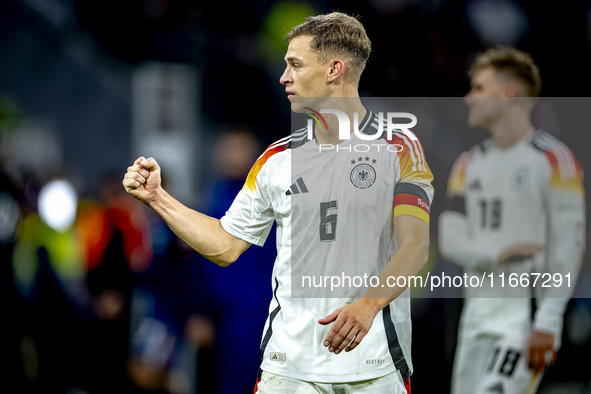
<point x="96" y="294"/>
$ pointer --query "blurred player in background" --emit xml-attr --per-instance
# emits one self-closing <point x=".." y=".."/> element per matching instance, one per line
<point x="516" y="205"/>
<point x="325" y="58"/>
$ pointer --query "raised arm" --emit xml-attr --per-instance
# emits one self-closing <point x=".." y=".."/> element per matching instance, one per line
<point x="202" y="233"/>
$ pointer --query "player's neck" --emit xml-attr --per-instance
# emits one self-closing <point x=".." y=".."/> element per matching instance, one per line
<point x="509" y="131"/>
<point x="348" y="105"/>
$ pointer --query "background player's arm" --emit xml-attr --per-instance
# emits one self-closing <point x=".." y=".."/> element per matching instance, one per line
<point x="565" y="203"/>
<point x="202" y="233"/>
<point x="457" y="245"/>
<point x="455" y="241"/>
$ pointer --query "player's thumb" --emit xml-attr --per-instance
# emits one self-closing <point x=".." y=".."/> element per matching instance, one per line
<point x="330" y="318"/>
<point x="150" y="164"/>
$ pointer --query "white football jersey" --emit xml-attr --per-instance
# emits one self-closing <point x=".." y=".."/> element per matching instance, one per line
<point x="332" y="207"/>
<point x="529" y="192"/>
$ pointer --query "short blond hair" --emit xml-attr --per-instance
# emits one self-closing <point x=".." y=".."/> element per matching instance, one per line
<point x="336" y="34"/>
<point x="513" y="62"/>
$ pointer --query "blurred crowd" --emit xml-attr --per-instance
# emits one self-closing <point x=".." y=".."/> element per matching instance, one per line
<point x="99" y="295"/>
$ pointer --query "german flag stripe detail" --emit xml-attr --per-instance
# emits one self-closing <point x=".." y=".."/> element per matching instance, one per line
<point x="250" y="184"/>
<point x="411" y="210"/>
<point x="413" y="165"/>
<point x="411" y="199"/>
<point x="573" y="183"/>
<point x="567" y="173"/>
<point x="410" y="188"/>
<point x="456" y="184"/>
<point x="407" y="383"/>
<point x="256" y="384"/>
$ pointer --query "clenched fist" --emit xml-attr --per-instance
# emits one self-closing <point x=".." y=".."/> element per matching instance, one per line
<point x="142" y="179"/>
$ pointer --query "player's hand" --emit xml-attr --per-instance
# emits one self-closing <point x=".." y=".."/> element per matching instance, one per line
<point x="351" y="324"/>
<point x="519" y="252"/>
<point x="540" y="344"/>
<point x="142" y="179"/>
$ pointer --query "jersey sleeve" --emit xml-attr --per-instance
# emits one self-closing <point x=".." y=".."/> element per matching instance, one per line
<point x="456" y="184"/>
<point x="565" y="202"/>
<point x="250" y="216"/>
<point x="413" y="193"/>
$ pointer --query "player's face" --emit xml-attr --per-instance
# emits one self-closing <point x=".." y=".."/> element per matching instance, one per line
<point x="303" y="75"/>
<point x="484" y="100"/>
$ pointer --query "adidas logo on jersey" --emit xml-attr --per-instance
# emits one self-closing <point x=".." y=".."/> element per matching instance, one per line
<point x="475" y="185"/>
<point x="277" y="356"/>
<point x="496" y="388"/>
<point x="298" y="187"/>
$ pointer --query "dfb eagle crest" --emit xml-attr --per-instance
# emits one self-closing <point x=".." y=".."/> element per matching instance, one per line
<point x="363" y="176"/>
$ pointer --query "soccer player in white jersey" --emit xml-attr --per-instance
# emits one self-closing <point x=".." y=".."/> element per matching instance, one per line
<point x="516" y="206"/>
<point x="332" y="345"/>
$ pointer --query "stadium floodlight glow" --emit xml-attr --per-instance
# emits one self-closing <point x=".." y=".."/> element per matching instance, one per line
<point x="57" y="205"/>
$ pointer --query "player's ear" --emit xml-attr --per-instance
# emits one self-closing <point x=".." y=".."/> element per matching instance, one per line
<point x="337" y="69"/>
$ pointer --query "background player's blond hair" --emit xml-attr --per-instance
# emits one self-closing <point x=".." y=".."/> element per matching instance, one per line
<point x="336" y="35"/>
<point x="513" y="62"/>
